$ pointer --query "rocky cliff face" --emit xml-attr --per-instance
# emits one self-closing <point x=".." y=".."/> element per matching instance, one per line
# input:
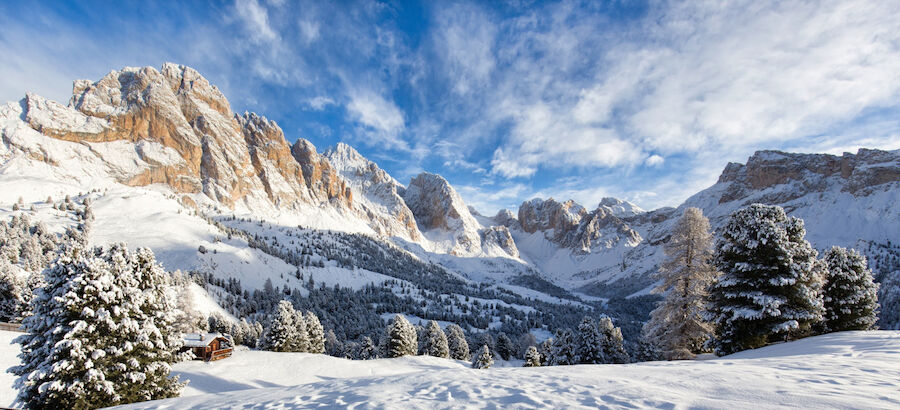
<point x="857" y="174"/>
<point x="569" y="225"/>
<point x="437" y="206"/>
<point x="207" y="149"/>
<point x="377" y="194"/>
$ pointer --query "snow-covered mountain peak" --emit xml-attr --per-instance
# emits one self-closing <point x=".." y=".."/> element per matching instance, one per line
<point x="438" y="208"/>
<point x="570" y="225"/>
<point x="620" y="208"/>
<point x="376" y="194"/>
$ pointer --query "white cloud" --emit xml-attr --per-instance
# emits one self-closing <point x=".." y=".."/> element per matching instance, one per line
<point x="319" y="103"/>
<point x="488" y="202"/>
<point x="654" y="160"/>
<point x="256" y="20"/>
<point x="755" y="73"/>
<point x="465" y="41"/>
<point x="309" y="30"/>
<point x="549" y="136"/>
<point x="695" y="78"/>
<point x="382" y="117"/>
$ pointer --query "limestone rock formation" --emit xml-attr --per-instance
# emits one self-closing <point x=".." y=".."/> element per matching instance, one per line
<point x="437" y="206"/>
<point x="570" y="225"/>
<point x="376" y="194"/>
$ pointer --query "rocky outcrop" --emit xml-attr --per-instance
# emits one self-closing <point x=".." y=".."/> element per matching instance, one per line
<point x="558" y="220"/>
<point x="856" y="173"/>
<point x="436" y="205"/>
<point x="506" y="218"/>
<point x="500" y="237"/>
<point x="570" y="225"/>
<point x="321" y="178"/>
<point x="377" y="194"/>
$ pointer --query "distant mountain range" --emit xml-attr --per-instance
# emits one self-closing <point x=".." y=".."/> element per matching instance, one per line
<point x="164" y="144"/>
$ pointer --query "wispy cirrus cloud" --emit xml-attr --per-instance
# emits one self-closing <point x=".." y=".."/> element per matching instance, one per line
<point x="644" y="101"/>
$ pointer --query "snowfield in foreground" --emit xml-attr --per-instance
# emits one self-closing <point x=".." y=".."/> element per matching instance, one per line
<point x="840" y="370"/>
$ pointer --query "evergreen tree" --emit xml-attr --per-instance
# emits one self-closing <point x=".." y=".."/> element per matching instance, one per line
<point x="850" y="294"/>
<point x="157" y="341"/>
<point x="301" y="335"/>
<point x="563" y="350"/>
<point x="889" y="298"/>
<point x="770" y="287"/>
<point x="333" y="346"/>
<point x="483" y="359"/>
<point x="456" y="342"/>
<point x="678" y="325"/>
<point x="505" y="348"/>
<point x="613" y="342"/>
<point x="532" y="357"/>
<point x="486" y="339"/>
<point x="402" y="338"/>
<point x="589" y="342"/>
<point x="12" y="288"/>
<point x="281" y="334"/>
<point x="316" y="333"/>
<point x="435" y="342"/>
<point x="94" y="339"/>
<point x="546" y="350"/>
<point x="366" y="349"/>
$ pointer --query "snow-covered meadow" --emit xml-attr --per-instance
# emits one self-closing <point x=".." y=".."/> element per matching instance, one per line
<point x="839" y="370"/>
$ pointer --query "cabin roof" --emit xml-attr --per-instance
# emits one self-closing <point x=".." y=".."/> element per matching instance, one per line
<point x="200" y="339"/>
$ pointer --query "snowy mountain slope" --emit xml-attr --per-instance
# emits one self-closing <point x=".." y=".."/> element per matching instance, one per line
<point x="846" y="201"/>
<point x="838" y="370"/>
<point x="168" y="160"/>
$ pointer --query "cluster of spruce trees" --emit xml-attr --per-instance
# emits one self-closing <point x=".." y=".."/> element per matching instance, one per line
<point x="761" y="282"/>
<point x="102" y="331"/>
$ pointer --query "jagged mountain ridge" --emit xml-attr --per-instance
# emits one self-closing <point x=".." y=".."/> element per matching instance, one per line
<point x="170" y="128"/>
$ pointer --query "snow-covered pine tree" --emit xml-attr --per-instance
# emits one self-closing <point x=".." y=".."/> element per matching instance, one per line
<point x="11" y="292"/>
<point x="563" y="350"/>
<point x="237" y="333"/>
<point x="435" y="342"/>
<point x="771" y="282"/>
<point x="850" y="294"/>
<point x="281" y="335"/>
<point x="301" y="338"/>
<point x="89" y="341"/>
<point x="505" y="347"/>
<point x="532" y="357"/>
<point x="72" y="324"/>
<point x="546" y="350"/>
<point x="333" y="346"/>
<point x="315" y="332"/>
<point x="589" y="342"/>
<point x="486" y="339"/>
<point x="483" y="359"/>
<point x="613" y="342"/>
<point x="157" y="341"/>
<point x="889" y="298"/>
<point x="402" y="339"/>
<point x="678" y="325"/>
<point x="366" y="349"/>
<point x="647" y="351"/>
<point x="456" y="342"/>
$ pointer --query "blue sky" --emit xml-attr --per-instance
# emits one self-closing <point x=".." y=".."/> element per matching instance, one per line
<point x="642" y="100"/>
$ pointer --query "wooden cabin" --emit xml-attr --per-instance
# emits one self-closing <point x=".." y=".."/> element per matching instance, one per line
<point x="208" y="346"/>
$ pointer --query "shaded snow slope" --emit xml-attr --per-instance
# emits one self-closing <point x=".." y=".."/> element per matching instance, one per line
<point x="840" y="370"/>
